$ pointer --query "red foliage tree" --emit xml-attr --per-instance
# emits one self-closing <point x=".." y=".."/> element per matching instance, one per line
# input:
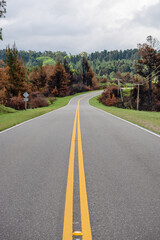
<point x="149" y="64"/>
<point x="89" y="77"/>
<point x="59" y="79"/>
<point x="17" y="72"/>
<point x="4" y="83"/>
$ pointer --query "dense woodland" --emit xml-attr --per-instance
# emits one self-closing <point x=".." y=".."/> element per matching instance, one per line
<point x="104" y="63"/>
<point x="145" y="93"/>
<point x="50" y="74"/>
<point x="42" y="82"/>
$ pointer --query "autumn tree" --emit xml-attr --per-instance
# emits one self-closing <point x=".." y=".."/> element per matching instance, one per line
<point x="17" y="71"/>
<point x="85" y="70"/>
<point x="4" y="77"/>
<point x="127" y="77"/>
<point x="60" y="80"/>
<point x="68" y="71"/>
<point x="119" y="75"/>
<point x="89" y="77"/>
<point x="2" y="13"/>
<point x="38" y="78"/>
<point x="4" y="83"/>
<point x="149" y="64"/>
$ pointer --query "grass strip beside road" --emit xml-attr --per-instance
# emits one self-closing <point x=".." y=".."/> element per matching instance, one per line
<point x="148" y="120"/>
<point x="8" y="120"/>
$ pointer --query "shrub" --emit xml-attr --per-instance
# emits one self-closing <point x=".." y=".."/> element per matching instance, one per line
<point x="51" y="100"/>
<point x="110" y="97"/>
<point x="3" y="96"/>
<point x="35" y="94"/>
<point x="80" y="87"/>
<point x="55" y="92"/>
<point x="16" y="103"/>
<point x="127" y="102"/>
<point x="96" y="87"/>
<point x="157" y="106"/>
<point x="143" y="98"/>
<point x="38" y="102"/>
<point x="4" y="109"/>
<point x="111" y="100"/>
<point x="104" y="80"/>
<point x="37" y="99"/>
<point x="104" y="86"/>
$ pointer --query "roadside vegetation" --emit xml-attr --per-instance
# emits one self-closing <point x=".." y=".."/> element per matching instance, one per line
<point x="130" y="79"/>
<point x="143" y="88"/>
<point x="42" y="82"/>
<point x="148" y="120"/>
<point x="10" y="117"/>
<point x="104" y="63"/>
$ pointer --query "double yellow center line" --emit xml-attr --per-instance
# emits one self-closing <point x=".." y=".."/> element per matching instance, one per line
<point x="68" y="212"/>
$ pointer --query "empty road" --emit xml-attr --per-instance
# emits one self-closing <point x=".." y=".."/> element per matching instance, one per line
<point x="79" y="169"/>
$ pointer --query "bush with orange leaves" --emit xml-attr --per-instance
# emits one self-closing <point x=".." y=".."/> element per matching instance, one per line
<point x="37" y="99"/>
<point x="16" y="102"/>
<point x="104" y="80"/>
<point x="110" y="97"/>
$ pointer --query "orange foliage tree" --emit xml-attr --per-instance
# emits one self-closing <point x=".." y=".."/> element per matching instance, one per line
<point x="17" y="72"/>
<point x="149" y="64"/>
<point x="89" y="77"/>
<point x="4" y="83"/>
<point x="38" y="78"/>
<point x="59" y="79"/>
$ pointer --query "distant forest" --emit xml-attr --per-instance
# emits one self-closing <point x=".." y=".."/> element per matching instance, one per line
<point x="104" y="63"/>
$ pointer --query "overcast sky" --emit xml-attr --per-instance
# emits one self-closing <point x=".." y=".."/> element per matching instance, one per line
<point x="79" y="25"/>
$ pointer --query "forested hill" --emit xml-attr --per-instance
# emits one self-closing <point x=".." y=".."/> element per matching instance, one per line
<point x="103" y="63"/>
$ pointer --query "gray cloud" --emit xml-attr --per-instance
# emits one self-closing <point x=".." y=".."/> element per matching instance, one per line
<point x="78" y="25"/>
<point x="149" y="17"/>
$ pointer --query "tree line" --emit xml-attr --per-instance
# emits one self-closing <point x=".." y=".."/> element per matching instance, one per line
<point x="60" y="79"/>
<point x="41" y="81"/>
<point x="104" y="63"/>
<point x="146" y="92"/>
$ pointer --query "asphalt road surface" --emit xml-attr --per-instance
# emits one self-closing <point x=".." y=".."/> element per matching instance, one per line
<point x="122" y="176"/>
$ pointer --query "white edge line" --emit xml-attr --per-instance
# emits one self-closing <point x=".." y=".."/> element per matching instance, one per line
<point x="29" y="120"/>
<point x="133" y="124"/>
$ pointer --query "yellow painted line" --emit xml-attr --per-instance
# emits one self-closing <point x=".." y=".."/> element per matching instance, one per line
<point x="85" y="220"/>
<point x="68" y="212"/>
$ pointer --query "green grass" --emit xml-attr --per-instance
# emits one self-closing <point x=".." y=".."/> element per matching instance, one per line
<point x="148" y="120"/>
<point x="10" y="117"/>
<point x="4" y="110"/>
